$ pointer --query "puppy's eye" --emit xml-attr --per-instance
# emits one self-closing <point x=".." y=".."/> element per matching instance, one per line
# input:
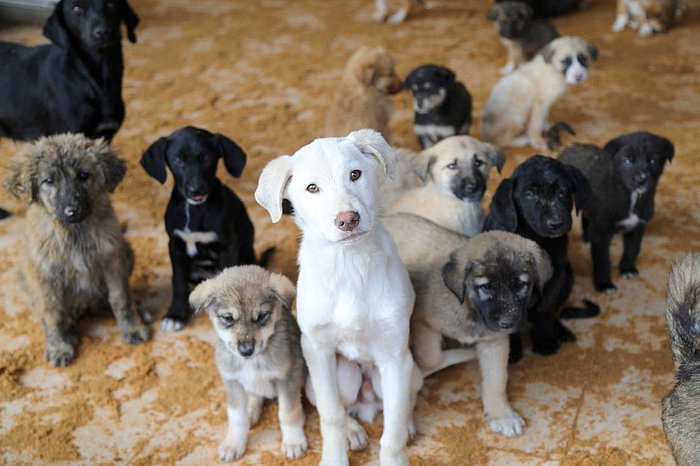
<point x="179" y="161"/>
<point x="530" y="194"/>
<point x="77" y="9"/>
<point x="262" y="318"/>
<point x="582" y="59"/>
<point x="566" y="62"/>
<point x="477" y="163"/>
<point x="83" y="176"/>
<point x="414" y="87"/>
<point x="49" y="181"/>
<point x="355" y="175"/>
<point x="652" y="162"/>
<point x="312" y="188"/>
<point x="227" y="320"/>
<point x="452" y="166"/>
<point x="627" y="161"/>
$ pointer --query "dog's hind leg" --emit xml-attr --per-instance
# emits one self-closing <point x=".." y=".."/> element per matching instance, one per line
<point x="600" y="253"/>
<point x="396" y="373"/>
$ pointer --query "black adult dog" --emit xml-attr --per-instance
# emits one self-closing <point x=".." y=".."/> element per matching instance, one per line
<point x="208" y="225"/>
<point x="74" y="84"/>
<point x="536" y="202"/>
<point x="442" y="105"/>
<point x="623" y="178"/>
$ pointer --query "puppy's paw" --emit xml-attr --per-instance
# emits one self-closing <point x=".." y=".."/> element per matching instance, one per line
<point x="620" y="23"/>
<point x="539" y="144"/>
<point x="146" y="316"/>
<point x="510" y="426"/>
<point x="357" y="437"/>
<point x="170" y="324"/>
<point x="412" y="430"/>
<point x="646" y="30"/>
<point x="398" y="17"/>
<point x="135" y="334"/>
<point x="605" y="287"/>
<point x="294" y="443"/>
<point x="232" y="448"/>
<point x="629" y="271"/>
<point x="379" y="16"/>
<point x="59" y="353"/>
<point x="564" y="334"/>
<point x="545" y="345"/>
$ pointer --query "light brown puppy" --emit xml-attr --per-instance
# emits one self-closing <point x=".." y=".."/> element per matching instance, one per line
<point x="363" y="97"/>
<point x="258" y="352"/>
<point x="381" y="12"/>
<point x="474" y="291"/>
<point x="517" y="111"/>
<point x="647" y="16"/>
<point x="681" y="407"/>
<point x="446" y="183"/>
<point x="75" y="256"/>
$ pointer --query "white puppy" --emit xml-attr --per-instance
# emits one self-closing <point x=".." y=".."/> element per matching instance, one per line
<point x="354" y="294"/>
<point x="517" y="110"/>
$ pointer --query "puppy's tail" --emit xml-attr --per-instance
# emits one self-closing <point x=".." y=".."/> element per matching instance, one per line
<point x="683" y="313"/>
<point x="266" y="256"/>
<point x="589" y="309"/>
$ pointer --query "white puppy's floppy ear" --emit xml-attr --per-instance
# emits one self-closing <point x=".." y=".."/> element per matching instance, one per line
<point x="371" y="142"/>
<point x="271" y="185"/>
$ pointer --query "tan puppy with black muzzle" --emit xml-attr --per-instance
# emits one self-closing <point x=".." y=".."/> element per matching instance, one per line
<point x="451" y="179"/>
<point x="258" y="353"/>
<point x="517" y="111"/>
<point x="474" y="291"/>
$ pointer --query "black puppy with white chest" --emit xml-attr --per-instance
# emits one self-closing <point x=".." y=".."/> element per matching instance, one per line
<point x="73" y="84"/>
<point x="442" y="105"/>
<point x="623" y="177"/>
<point x="536" y="202"/>
<point x="208" y="225"/>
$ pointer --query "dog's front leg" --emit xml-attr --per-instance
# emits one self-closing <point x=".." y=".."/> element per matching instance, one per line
<point x="233" y="446"/>
<point x="633" y="244"/>
<point x="322" y="370"/>
<point x="396" y="376"/>
<point x="622" y="17"/>
<point x="119" y="295"/>
<point x="537" y="122"/>
<point x="600" y="253"/>
<point x="176" y="317"/>
<point x="291" y="417"/>
<point x="493" y="362"/>
<point x="56" y="323"/>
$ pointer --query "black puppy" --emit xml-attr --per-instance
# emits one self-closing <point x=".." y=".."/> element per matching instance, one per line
<point x="522" y="34"/>
<point x="536" y="202"/>
<point x="208" y="225"/>
<point x="623" y="178"/>
<point x="442" y="105"/>
<point x="74" y="84"/>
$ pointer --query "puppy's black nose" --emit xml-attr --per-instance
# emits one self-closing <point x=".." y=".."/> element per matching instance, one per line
<point x="553" y="224"/>
<point x="347" y="221"/>
<point x="70" y="210"/>
<point x="246" y="348"/>
<point x="100" y="32"/>
<point x="641" y="178"/>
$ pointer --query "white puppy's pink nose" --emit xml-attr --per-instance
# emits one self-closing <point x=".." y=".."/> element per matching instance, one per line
<point x="347" y="221"/>
<point x="578" y="76"/>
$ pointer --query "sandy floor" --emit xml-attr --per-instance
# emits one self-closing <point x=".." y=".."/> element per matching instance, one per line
<point x="262" y="73"/>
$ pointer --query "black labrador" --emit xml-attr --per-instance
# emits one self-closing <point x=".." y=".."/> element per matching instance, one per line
<point x="536" y="202"/>
<point x="208" y="225"/>
<point x="73" y="84"/>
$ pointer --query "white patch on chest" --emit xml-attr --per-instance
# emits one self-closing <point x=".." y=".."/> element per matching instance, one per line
<point x="191" y="238"/>
<point x="434" y="131"/>
<point x="632" y="220"/>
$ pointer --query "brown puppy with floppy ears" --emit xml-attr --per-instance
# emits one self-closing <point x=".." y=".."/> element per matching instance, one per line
<point x="258" y="352"/>
<point x="681" y="407"/>
<point x="647" y="16"/>
<point x="363" y="97"/>
<point x="75" y="254"/>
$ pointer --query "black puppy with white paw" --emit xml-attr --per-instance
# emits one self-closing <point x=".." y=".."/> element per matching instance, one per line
<point x="208" y="225"/>
<point x="73" y="84"/>
<point x="623" y="177"/>
<point x="536" y="202"/>
<point x="442" y="105"/>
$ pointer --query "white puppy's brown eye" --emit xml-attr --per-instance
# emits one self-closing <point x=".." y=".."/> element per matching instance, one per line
<point x="355" y="175"/>
<point x="312" y="188"/>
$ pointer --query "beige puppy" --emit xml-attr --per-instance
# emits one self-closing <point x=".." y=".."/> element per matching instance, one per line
<point x="75" y="256"/>
<point x="363" y="97"/>
<point x="258" y="352"/>
<point x="517" y="111"/>
<point x="647" y="16"/>
<point x="381" y="12"/>
<point x="450" y="181"/>
<point x="475" y="291"/>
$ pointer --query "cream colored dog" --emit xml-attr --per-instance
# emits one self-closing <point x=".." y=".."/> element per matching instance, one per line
<point x="354" y="294"/>
<point x="517" y="111"/>
<point x="446" y="183"/>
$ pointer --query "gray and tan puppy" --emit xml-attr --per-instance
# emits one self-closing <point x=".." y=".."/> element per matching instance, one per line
<point x="75" y="257"/>
<point x="474" y="291"/>
<point x="363" y="97"/>
<point x="258" y="353"/>
<point x="517" y="111"/>
<point x="446" y="183"/>
<point x="681" y="407"/>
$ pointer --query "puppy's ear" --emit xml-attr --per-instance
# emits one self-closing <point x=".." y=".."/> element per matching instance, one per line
<point x="541" y="264"/>
<point x="112" y="168"/>
<point x="203" y="297"/>
<point x="283" y="288"/>
<point x="272" y="184"/>
<point x="492" y="15"/>
<point x="426" y="163"/>
<point x="548" y="53"/>
<point x="21" y="181"/>
<point x="524" y="10"/>
<point x="613" y="146"/>
<point x="582" y="188"/>
<point x="665" y="148"/>
<point x="592" y="51"/>
<point x="233" y="155"/>
<point x="447" y="74"/>
<point x="55" y="28"/>
<point x="454" y="274"/>
<point x="502" y="212"/>
<point x="371" y="142"/>
<point x="153" y="160"/>
<point x="495" y="155"/>
<point x="130" y="18"/>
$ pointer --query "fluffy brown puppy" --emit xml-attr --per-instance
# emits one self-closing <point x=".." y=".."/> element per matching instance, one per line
<point x="647" y="16"/>
<point x="362" y="99"/>
<point x="75" y="257"/>
<point x="681" y="407"/>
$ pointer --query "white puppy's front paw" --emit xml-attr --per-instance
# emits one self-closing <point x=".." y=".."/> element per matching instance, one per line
<point x="398" y="17"/>
<point x="646" y="30"/>
<point x="232" y="448"/>
<point x="620" y="23"/>
<point x="379" y="16"/>
<point x="510" y="426"/>
<point x="411" y="430"/>
<point x="294" y="443"/>
<point x="357" y="437"/>
<point x="172" y="325"/>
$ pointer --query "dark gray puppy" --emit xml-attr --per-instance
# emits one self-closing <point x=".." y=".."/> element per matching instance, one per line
<point x="681" y="407"/>
<point x="623" y="178"/>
